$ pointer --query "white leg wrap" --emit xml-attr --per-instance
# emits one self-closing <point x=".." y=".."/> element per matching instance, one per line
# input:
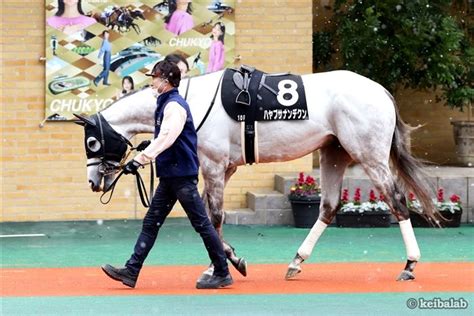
<point x="413" y="252"/>
<point x="310" y="241"/>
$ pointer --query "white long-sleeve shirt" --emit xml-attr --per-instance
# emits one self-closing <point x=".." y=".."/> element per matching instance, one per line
<point x="174" y="118"/>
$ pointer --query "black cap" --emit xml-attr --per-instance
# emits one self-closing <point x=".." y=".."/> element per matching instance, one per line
<point x="167" y="70"/>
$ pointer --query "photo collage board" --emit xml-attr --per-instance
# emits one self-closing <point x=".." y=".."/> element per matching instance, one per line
<point x="98" y="51"/>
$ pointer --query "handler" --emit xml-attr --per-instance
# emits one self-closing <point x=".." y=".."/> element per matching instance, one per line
<point x="175" y="150"/>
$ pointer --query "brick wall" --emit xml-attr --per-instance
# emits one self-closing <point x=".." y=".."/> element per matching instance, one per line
<point x="434" y="140"/>
<point x="43" y="170"/>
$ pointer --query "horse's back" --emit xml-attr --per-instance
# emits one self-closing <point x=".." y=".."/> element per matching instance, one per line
<point x="343" y="87"/>
<point x="345" y="101"/>
<point x="343" y="80"/>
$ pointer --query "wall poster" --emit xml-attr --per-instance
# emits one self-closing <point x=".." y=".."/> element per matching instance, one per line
<point x="98" y="50"/>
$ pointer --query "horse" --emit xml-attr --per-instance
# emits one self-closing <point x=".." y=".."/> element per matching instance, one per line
<point x="352" y="119"/>
<point x="126" y="19"/>
<point x="122" y="17"/>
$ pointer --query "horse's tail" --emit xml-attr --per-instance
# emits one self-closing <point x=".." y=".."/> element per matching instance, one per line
<point x="409" y="168"/>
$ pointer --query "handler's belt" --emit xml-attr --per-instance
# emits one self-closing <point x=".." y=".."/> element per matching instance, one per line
<point x="249" y="96"/>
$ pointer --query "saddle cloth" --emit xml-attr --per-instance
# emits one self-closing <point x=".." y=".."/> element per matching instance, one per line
<point x="270" y="97"/>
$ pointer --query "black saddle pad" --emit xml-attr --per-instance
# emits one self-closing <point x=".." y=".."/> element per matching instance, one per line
<point x="272" y="96"/>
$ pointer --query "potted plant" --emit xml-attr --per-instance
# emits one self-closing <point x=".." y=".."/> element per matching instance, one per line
<point x="450" y="210"/>
<point x="463" y="130"/>
<point x="305" y="198"/>
<point x="372" y="213"/>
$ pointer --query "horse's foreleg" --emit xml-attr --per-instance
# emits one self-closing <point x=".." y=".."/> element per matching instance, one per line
<point x="333" y="162"/>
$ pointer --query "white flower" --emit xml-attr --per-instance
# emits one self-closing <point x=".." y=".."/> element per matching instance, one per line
<point x="441" y="206"/>
<point x="448" y="206"/>
<point x="379" y="206"/>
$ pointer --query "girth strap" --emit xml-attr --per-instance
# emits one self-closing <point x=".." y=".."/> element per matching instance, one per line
<point x="250" y="121"/>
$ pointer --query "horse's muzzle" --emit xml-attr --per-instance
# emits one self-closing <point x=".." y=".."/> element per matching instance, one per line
<point x="95" y="187"/>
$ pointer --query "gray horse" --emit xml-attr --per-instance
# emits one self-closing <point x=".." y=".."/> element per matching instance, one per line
<point x="351" y="119"/>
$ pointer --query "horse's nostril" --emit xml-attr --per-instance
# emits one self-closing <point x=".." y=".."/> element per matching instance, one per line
<point x="91" y="185"/>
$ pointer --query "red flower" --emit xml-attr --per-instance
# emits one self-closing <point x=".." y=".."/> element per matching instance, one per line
<point x="372" y="197"/>
<point x="301" y="178"/>
<point x="440" y="195"/>
<point x="411" y="197"/>
<point x="455" y="198"/>
<point x="381" y="197"/>
<point x="305" y="186"/>
<point x="345" y="196"/>
<point x="357" y="196"/>
<point x="310" y="180"/>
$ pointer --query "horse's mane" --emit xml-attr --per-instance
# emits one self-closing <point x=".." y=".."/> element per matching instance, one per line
<point x="147" y="86"/>
<point x="126" y="96"/>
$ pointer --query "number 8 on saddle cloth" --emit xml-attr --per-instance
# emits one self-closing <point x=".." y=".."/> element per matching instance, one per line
<point x="264" y="97"/>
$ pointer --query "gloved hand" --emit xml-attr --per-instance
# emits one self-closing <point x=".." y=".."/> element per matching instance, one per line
<point x="144" y="144"/>
<point x="131" y="167"/>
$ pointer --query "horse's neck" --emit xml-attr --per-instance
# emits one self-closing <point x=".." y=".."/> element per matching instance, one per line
<point x="133" y="114"/>
<point x="200" y="94"/>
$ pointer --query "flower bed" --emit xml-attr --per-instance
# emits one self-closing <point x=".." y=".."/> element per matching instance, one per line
<point x="451" y="210"/>
<point x="373" y="213"/>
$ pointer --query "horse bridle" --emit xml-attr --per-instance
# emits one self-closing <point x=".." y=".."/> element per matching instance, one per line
<point x="111" y="163"/>
<point x="107" y="166"/>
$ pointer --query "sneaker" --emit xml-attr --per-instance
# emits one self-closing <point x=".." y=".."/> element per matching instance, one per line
<point x="121" y="274"/>
<point x="215" y="282"/>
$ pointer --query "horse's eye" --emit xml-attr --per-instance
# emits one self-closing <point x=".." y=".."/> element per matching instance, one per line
<point x="93" y="144"/>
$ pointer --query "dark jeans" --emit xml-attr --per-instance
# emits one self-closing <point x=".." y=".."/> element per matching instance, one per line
<point x="185" y="190"/>
<point x="105" y="72"/>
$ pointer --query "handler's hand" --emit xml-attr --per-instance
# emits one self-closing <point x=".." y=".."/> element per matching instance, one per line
<point x="144" y="144"/>
<point x="131" y="167"/>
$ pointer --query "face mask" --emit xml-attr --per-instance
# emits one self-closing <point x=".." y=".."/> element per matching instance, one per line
<point x="160" y="87"/>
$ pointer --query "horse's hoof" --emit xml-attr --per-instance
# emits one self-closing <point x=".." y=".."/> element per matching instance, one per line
<point x="406" y="276"/>
<point x="293" y="270"/>
<point x="242" y="266"/>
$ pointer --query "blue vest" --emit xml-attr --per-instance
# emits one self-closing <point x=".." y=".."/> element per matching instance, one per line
<point x="179" y="160"/>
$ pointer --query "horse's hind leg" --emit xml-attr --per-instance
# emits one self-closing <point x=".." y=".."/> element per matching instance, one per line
<point x="333" y="162"/>
<point x="136" y="28"/>
<point x="215" y="176"/>
<point x="382" y="178"/>
<point x="239" y="263"/>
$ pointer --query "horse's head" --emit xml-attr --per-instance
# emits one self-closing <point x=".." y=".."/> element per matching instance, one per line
<point x="105" y="149"/>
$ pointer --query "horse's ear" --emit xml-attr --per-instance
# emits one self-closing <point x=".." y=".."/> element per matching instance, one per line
<point x="84" y="120"/>
<point x="82" y="123"/>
